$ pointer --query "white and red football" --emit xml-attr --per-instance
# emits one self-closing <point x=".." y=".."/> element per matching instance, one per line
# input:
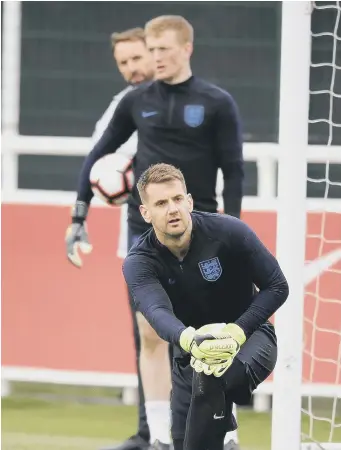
<point x="112" y="178"/>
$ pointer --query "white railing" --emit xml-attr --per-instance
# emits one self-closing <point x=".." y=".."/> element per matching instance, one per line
<point x="264" y="154"/>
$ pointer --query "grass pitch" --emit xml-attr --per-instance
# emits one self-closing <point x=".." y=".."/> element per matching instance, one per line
<point x="36" y="424"/>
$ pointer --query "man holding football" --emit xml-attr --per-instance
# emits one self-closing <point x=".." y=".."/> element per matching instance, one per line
<point x="181" y="120"/>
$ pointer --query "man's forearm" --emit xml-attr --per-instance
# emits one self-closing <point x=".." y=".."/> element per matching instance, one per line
<point x="119" y="130"/>
<point x="104" y="146"/>
<point x="233" y="193"/>
<point x="152" y="301"/>
<point x="166" y="325"/>
<point x="264" y="305"/>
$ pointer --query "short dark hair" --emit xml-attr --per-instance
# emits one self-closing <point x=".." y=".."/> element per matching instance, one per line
<point x="159" y="173"/>
<point x="131" y="35"/>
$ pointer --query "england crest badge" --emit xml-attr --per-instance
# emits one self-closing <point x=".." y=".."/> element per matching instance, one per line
<point x="194" y="115"/>
<point x="211" y="269"/>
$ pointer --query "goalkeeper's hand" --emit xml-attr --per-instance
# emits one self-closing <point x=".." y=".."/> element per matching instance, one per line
<point x="215" y="367"/>
<point x="76" y="237"/>
<point x="213" y="341"/>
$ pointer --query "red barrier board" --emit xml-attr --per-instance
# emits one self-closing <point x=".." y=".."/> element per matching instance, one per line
<point x="59" y="317"/>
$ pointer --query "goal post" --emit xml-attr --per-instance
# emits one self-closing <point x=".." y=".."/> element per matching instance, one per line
<point x="291" y="220"/>
<point x="311" y="316"/>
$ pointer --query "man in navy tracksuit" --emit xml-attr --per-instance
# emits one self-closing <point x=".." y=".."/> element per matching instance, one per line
<point x="192" y="270"/>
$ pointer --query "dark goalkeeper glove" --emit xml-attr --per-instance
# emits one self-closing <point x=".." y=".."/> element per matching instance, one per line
<point x="76" y="237"/>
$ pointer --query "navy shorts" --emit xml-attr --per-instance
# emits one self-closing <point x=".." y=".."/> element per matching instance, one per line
<point x="252" y="365"/>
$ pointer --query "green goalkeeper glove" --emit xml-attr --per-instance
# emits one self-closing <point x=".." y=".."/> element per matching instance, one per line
<point x="215" y="367"/>
<point x="76" y="237"/>
<point x="213" y="341"/>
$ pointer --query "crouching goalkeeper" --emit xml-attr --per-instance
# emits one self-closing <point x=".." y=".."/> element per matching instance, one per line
<point x="194" y="276"/>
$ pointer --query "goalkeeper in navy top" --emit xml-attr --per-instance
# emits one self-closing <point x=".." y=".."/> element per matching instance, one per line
<point x="193" y="125"/>
<point x="181" y="120"/>
<point x="207" y="285"/>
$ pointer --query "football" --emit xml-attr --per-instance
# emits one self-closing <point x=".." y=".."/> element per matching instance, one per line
<point x="112" y="178"/>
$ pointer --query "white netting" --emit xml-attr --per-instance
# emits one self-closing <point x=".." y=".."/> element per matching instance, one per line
<point x="322" y="347"/>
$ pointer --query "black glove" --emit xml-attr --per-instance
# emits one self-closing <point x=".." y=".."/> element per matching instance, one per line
<point x="76" y="234"/>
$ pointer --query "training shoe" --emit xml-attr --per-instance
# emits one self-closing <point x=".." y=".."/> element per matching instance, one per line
<point x="231" y="445"/>
<point x="160" y="446"/>
<point x="133" y="443"/>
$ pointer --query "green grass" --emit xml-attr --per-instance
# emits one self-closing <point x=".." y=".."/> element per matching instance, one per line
<point x="64" y="391"/>
<point x="31" y="424"/>
<point x="67" y="419"/>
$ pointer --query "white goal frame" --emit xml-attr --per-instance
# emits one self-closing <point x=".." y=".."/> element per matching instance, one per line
<point x="291" y="221"/>
<point x="291" y="224"/>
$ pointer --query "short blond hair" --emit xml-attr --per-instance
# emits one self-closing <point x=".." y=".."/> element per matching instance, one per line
<point x="159" y="173"/>
<point x="179" y="24"/>
<point x="131" y="35"/>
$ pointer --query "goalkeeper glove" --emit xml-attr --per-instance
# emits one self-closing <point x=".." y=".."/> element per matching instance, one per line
<point x="213" y="341"/>
<point x="215" y="367"/>
<point x="76" y="237"/>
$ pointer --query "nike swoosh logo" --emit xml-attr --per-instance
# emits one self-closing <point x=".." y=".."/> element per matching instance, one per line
<point x="149" y="114"/>
<point x="218" y="417"/>
<point x="315" y="268"/>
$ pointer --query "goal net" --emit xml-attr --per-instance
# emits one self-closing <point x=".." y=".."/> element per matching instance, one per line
<point x="321" y="408"/>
